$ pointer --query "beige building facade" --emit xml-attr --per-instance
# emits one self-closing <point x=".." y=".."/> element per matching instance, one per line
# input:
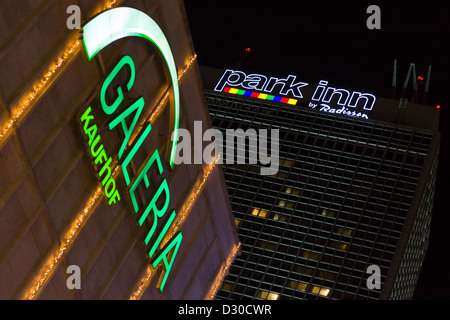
<point x="59" y="208"/>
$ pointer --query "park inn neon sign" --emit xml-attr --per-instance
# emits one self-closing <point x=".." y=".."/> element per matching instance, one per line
<point x="104" y="29"/>
<point x="325" y="99"/>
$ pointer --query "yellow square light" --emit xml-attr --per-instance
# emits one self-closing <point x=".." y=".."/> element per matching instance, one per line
<point x="262" y="96"/>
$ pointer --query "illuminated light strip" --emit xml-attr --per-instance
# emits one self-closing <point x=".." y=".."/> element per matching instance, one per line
<point x="143" y="283"/>
<point x="44" y="274"/>
<point x="176" y="225"/>
<point x="49" y="266"/>
<point x="189" y="203"/>
<point x="6" y="129"/>
<point x="258" y="95"/>
<point x="34" y="92"/>
<point x="223" y="272"/>
<point x="26" y="103"/>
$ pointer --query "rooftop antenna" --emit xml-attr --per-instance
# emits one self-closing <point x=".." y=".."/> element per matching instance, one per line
<point x="394" y="80"/>
<point x="427" y="85"/>
<point x="414" y="98"/>
<point x="412" y="68"/>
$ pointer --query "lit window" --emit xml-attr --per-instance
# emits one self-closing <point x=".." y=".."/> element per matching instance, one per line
<point x="329" y="213"/>
<point x="286" y="204"/>
<point x="311" y="255"/>
<point x="286" y="162"/>
<point x="227" y="286"/>
<point x="293" y="191"/>
<point x="344" y="231"/>
<point x="301" y="286"/>
<point x="297" y="285"/>
<point x="327" y="275"/>
<point x="259" y="212"/>
<point x="279" y="217"/>
<point x="338" y="245"/>
<point x="324" y="292"/>
<point x="315" y="289"/>
<point x="272" y="296"/>
<point x="320" y="291"/>
<point x="267" y="295"/>
<point x="267" y="245"/>
<point x="281" y="174"/>
<point x="237" y="222"/>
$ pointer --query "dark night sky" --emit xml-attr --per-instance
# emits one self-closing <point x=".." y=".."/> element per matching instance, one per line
<point x="318" y="40"/>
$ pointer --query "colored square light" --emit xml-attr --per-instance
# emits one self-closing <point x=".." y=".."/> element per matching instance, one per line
<point x="262" y="96"/>
<point x="277" y="99"/>
<point x="259" y="95"/>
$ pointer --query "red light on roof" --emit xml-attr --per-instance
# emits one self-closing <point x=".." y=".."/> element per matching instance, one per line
<point x="438" y="106"/>
<point x="248" y="49"/>
<point x="420" y="78"/>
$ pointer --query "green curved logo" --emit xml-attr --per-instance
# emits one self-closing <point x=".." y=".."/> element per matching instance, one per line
<point x="125" y="22"/>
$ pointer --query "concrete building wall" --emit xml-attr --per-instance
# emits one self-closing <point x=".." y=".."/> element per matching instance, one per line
<point x="48" y="178"/>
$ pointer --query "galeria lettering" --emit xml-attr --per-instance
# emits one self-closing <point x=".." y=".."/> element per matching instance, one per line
<point x="104" y="29"/>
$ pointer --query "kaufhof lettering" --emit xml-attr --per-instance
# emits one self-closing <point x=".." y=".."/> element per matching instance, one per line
<point x="99" y="155"/>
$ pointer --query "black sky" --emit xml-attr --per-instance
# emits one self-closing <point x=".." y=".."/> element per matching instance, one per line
<point x="317" y="40"/>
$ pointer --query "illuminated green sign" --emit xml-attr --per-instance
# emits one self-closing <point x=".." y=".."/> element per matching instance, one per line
<point x="99" y="154"/>
<point x="119" y="23"/>
<point x="104" y="29"/>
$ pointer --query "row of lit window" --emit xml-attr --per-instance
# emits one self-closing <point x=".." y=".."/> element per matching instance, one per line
<point x="379" y="182"/>
<point x="301" y="286"/>
<point x="265" y="214"/>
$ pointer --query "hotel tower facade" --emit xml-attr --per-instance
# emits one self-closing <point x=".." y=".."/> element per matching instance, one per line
<point x="347" y="215"/>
